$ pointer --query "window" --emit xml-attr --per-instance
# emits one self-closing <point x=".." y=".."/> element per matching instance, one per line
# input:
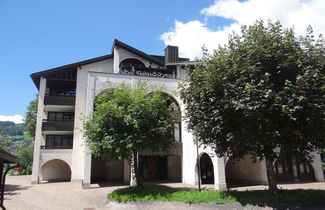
<point x="60" y="116"/>
<point x="59" y="142"/>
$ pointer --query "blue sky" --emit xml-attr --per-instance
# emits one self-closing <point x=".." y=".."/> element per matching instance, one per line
<point x="36" y="35"/>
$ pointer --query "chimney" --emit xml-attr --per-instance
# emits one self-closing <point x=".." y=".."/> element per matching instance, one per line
<point x="171" y="54"/>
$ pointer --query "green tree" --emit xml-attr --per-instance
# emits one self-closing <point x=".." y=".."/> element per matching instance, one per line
<point x="261" y="94"/>
<point x="5" y="143"/>
<point x="25" y="157"/>
<point x="31" y="114"/>
<point x="127" y="121"/>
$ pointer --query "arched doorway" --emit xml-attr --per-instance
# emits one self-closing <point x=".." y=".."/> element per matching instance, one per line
<point x="55" y="171"/>
<point x="165" y="165"/>
<point x="206" y="169"/>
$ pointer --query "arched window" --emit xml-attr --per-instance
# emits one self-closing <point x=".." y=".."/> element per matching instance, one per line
<point x="131" y="64"/>
<point x="175" y="108"/>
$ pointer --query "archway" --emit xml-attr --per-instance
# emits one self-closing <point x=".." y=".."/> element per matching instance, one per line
<point x="165" y="165"/>
<point x="206" y="169"/>
<point x="55" y="170"/>
<point x="245" y="172"/>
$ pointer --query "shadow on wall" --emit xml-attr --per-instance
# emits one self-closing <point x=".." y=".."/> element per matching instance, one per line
<point x="244" y="172"/>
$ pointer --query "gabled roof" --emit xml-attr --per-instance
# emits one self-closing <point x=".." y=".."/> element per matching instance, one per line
<point x="160" y="60"/>
<point x="141" y="54"/>
<point x="36" y="76"/>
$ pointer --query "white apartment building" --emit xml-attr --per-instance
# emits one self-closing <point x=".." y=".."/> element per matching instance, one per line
<point x="67" y="93"/>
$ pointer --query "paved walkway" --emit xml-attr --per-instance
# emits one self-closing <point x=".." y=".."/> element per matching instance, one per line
<point x="21" y="195"/>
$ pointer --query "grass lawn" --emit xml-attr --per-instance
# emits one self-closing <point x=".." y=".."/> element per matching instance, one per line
<point x="154" y="192"/>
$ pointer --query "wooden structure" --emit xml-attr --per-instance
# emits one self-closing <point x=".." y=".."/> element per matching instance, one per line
<point x="5" y="158"/>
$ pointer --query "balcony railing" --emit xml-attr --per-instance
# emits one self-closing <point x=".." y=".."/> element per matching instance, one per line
<point x="57" y="147"/>
<point x="59" y="100"/>
<point x="57" y="125"/>
<point x="148" y="72"/>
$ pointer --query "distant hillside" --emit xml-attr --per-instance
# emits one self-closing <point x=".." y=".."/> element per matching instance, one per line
<point x="8" y="128"/>
<point x="16" y="133"/>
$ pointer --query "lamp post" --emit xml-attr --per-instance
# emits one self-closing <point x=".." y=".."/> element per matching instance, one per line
<point x="198" y="167"/>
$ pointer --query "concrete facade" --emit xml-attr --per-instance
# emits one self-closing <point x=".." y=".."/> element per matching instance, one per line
<point x="96" y="75"/>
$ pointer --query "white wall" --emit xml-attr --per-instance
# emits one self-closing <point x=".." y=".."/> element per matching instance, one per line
<point x="124" y="54"/>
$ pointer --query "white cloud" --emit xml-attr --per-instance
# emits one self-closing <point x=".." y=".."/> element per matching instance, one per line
<point x="14" y="118"/>
<point x="191" y="36"/>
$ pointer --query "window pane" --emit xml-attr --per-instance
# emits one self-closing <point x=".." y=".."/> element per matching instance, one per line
<point x="51" y="116"/>
<point x="59" y="116"/>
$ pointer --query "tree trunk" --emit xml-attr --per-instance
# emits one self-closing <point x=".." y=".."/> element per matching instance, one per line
<point x="134" y="169"/>
<point x="271" y="176"/>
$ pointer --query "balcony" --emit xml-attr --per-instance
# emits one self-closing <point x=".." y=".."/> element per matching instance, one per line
<point x="59" y="100"/>
<point x="57" y="125"/>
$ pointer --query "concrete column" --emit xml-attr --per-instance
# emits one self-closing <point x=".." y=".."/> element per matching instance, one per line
<point x="219" y="173"/>
<point x="126" y="171"/>
<point x="38" y="131"/>
<point x="189" y="156"/>
<point x="178" y="72"/>
<point x="87" y="153"/>
<point x="77" y="171"/>
<point x="264" y="179"/>
<point x="116" y="61"/>
<point x="317" y="166"/>
<point x="87" y="169"/>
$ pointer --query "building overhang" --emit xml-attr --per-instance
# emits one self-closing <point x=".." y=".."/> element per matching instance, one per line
<point x="70" y="67"/>
<point x="6" y="157"/>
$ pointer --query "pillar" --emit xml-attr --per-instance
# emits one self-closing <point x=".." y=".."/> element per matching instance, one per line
<point x="38" y="131"/>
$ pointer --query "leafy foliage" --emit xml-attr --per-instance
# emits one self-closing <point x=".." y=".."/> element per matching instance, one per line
<point x="25" y="157"/>
<point x="126" y="121"/>
<point x="5" y="143"/>
<point x="263" y="93"/>
<point x="30" y="118"/>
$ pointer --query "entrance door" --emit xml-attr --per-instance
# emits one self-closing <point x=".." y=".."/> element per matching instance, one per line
<point x="153" y="167"/>
<point x="207" y="175"/>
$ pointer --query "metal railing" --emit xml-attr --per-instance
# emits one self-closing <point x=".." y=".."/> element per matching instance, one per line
<point x="57" y="125"/>
<point x="59" y="100"/>
<point x="56" y="147"/>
